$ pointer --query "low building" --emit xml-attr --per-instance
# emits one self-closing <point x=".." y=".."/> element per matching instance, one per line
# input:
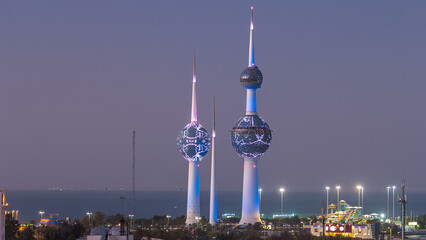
<point x="366" y="231"/>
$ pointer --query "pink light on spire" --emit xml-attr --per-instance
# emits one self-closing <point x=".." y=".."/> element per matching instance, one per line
<point x="194" y="97"/>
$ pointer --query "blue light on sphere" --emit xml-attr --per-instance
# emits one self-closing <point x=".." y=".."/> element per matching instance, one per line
<point x="251" y="136"/>
<point x="193" y="142"/>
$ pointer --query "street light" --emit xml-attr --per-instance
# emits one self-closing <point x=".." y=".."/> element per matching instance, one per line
<point x="41" y="214"/>
<point x="362" y="199"/>
<point x="90" y="222"/>
<point x="327" y="188"/>
<point x="282" y="190"/>
<point x="338" y="199"/>
<point x="359" y="195"/>
<point x="260" y="199"/>
<point x="387" y="202"/>
<point x="393" y="203"/>
<point x="168" y="219"/>
<point x="131" y="216"/>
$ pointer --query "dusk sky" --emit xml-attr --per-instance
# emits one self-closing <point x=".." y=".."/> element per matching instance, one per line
<point x="344" y="90"/>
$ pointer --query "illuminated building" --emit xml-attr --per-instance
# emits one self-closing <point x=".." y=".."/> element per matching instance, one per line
<point x="251" y="137"/>
<point x="193" y="142"/>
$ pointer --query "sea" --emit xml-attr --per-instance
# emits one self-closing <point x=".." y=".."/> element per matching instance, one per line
<point x="75" y="204"/>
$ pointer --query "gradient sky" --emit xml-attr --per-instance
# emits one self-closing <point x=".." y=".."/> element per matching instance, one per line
<point x="344" y="90"/>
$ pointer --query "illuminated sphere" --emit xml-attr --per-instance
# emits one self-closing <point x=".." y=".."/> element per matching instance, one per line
<point x="251" y="136"/>
<point x="251" y="77"/>
<point x="193" y="142"/>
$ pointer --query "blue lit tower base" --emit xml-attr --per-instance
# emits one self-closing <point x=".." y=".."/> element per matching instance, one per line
<point x="193" y="204"/>
<point x="251" y="137"/>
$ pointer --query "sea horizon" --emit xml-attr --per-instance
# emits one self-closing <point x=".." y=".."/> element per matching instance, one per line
<point x="76" y="203"/>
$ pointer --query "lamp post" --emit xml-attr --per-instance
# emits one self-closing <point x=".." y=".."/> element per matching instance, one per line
<point x="282" y="200"/>
<point x="168" y="220"/>
<point x="90" y="222"/>
<point x="393" y="203"/>
<point x="338" y="199"/>
<point x="197" y="219"/>
<point x="362" y="199"/>
<point x="359" y="195"/>
<point x="260" y="200"/>
<point x="327" y="189"/>
<point x="41" y="214"/>
<point x="387" y="202"/>
<point x="131" y="216"/>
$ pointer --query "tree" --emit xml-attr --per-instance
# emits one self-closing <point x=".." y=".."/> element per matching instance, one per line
<point x="11" y="227"/>
<point x="98" y="219"/>
<point x="114" y="219"/>
<point x="27" y="234"/>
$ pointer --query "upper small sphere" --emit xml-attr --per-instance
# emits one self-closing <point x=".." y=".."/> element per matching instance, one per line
<point x="251" y="78"/>
<point x="193" y="142"/>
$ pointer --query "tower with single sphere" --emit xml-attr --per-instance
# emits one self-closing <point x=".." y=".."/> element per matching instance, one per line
<point x="193" y="142"/>
<point x="251" y="137"/>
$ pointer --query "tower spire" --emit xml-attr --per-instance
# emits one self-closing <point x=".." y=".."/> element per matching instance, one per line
<point x="251" y="48"/>
<point x="194" y="97"/>
<point x="213" y="199"/>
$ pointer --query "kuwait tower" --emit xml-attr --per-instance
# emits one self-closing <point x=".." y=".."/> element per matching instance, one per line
<point x="251" y="137"/>
<point x="193" y="142"/>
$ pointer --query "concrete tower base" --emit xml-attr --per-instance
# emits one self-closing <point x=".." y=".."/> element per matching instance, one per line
<point x="193" y="204"/>
<point x="250" y="209"/>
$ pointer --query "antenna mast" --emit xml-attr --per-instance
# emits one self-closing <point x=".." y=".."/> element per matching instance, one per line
<point x="133" y="192"/>
<point x="403" y="201"/>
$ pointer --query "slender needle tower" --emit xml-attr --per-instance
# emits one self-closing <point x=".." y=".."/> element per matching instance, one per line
<point x="251" y="137"/>
<point x="193" y="142"/>
<point x="213" y="199"/>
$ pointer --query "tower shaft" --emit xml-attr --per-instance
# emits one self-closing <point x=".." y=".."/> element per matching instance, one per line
<point x="250" y="208"/>
<point x="251" y="102"/>
<point x="193" y="203"/>
<point x="213" y="199"/>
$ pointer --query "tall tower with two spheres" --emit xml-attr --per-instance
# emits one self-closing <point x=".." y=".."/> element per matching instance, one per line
<point x="251" y="137"/>
<point x="193" y="142"/>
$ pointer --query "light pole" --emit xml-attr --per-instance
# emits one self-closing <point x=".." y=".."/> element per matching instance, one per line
<point x="260" y="200"/>
<point x="282" y="200"/>
<point x="197" y="219"/>
<point x="122" y="205"/>
<point x="168" y="220"/>
<point x="362" y="199"/>
<point x="327" y="189"/>
<point x="90" y="222"/>
<point x="393" y="203"/>
<point x="131" y="216"/>
<point x="387" y="202"/>
<point x="338" y="199"/>
<point x="359" y="195"/>
<point x="41" y="214"/>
